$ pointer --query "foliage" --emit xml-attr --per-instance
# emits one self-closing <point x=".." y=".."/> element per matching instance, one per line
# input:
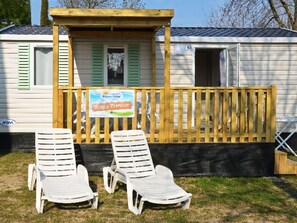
<point x="44" y="21"/>
<point x="101" y="3"/>
<point x="132" y="4"/>
<point x="255" y="14"/>
<point x="15" y="12"/>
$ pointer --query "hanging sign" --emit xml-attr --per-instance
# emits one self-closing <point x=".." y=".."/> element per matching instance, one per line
<point x="111" y="103"/>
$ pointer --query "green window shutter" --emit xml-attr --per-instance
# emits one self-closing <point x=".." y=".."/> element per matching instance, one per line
<point x="97" y="65"/>
<point x="133" y="64"/>
<point x="24" y="66"/>
<point x="63" y="64"/>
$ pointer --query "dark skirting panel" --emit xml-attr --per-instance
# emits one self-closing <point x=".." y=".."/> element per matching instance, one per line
<point x="229" y="159"/>
<point x="245" y="159"/>
<point x="17" y="142"/>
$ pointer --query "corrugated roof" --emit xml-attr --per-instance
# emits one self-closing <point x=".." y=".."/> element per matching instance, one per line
<point x="31" y="30"/>
<point x="175" y="31"/>
<point x="229" y="32"/>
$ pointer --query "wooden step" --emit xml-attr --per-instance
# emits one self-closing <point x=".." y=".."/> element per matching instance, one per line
<point x="283" y="165"/>
<point x="291" y="166"/>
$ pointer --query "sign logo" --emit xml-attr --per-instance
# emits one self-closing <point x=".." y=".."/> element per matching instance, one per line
<point x="8" y="122"/>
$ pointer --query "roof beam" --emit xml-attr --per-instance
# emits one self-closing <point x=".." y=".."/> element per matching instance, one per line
<point x="132" y="13"/>
<point x="111" y="34"/>
<point x="115" y="22"/>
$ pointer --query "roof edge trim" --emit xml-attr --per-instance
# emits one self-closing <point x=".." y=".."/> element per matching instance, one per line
<point x="13" y="37"/>
<point x="195" y="39"/>
<point x="7" y="27"/>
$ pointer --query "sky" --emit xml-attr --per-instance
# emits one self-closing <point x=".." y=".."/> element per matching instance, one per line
<point x="187" y="12"/>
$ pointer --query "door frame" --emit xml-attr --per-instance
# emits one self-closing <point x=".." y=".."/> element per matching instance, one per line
<point x="224" y="47"/>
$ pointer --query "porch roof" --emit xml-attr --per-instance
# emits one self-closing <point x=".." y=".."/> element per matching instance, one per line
<point x="112" y="19"/>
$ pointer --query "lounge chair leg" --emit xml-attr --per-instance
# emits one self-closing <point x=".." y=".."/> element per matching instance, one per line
<point x="140" y="206"/>
<point x="41" y="206"/>
<point x="114" y="184"/>
<point x="95" y="201"/>
<point x="186" y="204"/>
<point x="137" y="205"/>
<point x="39" y="201"/>
<point x="109" y="181"/>
<point x="31" y="176"/>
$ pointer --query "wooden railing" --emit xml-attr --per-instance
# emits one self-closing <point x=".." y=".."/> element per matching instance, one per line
<point x="196" y="115"/>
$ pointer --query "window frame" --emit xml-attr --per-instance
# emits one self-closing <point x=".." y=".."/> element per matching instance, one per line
<point x="105" y="72"/>
<point x="32" y="64"/>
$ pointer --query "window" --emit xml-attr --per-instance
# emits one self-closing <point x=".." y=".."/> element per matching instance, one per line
<point x="41" y="65"/>
<point x="115" y="69"/>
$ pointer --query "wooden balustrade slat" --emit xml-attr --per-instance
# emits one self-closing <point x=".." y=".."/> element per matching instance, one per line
<point x="78" y="116"/>
<point x="189" y="116"/>
<point x="198" y="115"/>
<point x="233" y="114"/>
<point x="69" y="109"/>
<point x="259" y="115"/>
<point x="180" y="115"/>
<point x="225" y="115"/>
<point x="88" y="120"/>
<point x="162" y="108"/>
<point x="143" y="109"/>
<point x="153" y="116"/>
<point x="251" y="114"/>
<point x="216" y="116"/>
<point x="60" y="109"/>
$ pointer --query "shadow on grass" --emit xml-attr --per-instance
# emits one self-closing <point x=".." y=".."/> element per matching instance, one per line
<point x="238" y="199"/>
<point x="287" y="187"/>
<point x="121" y="188"/>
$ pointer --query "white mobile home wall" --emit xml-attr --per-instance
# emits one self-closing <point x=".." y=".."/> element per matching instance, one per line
<point x="32" y="109"/>
<point x="261" y="63"/>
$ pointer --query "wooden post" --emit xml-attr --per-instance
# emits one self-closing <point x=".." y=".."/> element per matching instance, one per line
<point x="154" y="72"/>
<point x="70" y="62"/>
<point x="273" y="113"/>
<point x="167" y="117"/>
<point x="55" y="74"/>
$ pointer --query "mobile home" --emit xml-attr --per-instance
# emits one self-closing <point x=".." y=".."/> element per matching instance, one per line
<point x="197" y="87"/>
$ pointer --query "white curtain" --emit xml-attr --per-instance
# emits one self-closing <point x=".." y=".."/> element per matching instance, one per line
<point x="43" y="66"/>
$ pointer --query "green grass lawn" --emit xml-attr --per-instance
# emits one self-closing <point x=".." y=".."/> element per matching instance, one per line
<point x="215" y="199"/>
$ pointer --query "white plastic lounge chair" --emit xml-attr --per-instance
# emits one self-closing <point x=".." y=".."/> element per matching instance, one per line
<point x="58" y="179"/>
<point x="133" y="165"/>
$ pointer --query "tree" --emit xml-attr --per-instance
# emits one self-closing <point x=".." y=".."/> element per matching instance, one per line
<point x="255" y="14"/>
<point x="132" y="4"/>
<point x="15" y="12"/>
<point x="101" y="3"/>
<point x="44" y="21"/>
<point x="87" y="3"/>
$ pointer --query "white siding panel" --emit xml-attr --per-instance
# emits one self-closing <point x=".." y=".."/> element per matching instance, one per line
<point x="32" y="109"/>
<point x="267" y="64"/>
<point x="181" y="67"/>
<point x="83" y="60"/>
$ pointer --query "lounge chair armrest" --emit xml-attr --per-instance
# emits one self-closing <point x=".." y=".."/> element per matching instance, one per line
<point x="83" y="173"/>
<point x="164" y="171"/>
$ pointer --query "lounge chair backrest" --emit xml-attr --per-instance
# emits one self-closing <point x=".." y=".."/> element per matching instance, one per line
<point x="132" y="153"/>
<point x="55" y="154"/>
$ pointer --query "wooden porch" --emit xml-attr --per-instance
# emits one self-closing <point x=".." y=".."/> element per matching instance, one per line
<point x="194" y="115"/>
<point x="167" y="114"/>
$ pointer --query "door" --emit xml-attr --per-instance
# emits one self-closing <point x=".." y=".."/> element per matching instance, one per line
<point x="207" y="67"/>
<point x="233" y="65"/>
